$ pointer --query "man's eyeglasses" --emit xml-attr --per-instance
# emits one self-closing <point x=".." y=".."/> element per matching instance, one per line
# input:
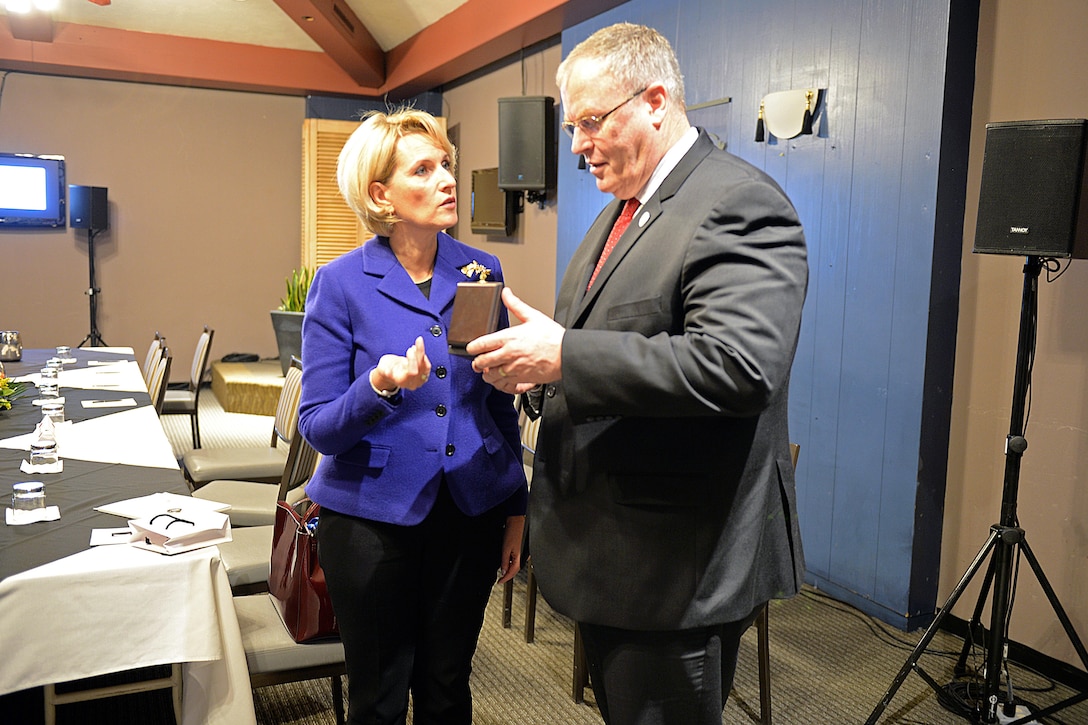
<point x="591" y="125"/>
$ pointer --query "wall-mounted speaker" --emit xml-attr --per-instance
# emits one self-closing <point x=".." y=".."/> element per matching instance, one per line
<point x="88" y="207"/>
<point x="1033" y="200"/>
<point x="527" y="143"/>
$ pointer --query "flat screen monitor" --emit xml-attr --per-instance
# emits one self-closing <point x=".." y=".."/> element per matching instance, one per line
<point x="491" y="213"/>
<point x="32" y="191"/>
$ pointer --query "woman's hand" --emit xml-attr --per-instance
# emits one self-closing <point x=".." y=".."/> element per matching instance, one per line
<point x="510" y="559"/>
<point x="408" y="371"/>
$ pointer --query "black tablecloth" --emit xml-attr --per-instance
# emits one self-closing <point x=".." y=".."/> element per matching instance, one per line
<point x="82" y="485"/>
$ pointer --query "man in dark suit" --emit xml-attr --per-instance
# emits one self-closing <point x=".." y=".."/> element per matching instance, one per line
<point x="662" y="510"/>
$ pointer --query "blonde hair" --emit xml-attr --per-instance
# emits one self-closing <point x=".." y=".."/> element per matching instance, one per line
<point x="635" y="56"/>
<point x="370" y="154"/>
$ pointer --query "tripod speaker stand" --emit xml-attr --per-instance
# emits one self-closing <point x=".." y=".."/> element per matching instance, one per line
<point x="1006" y="539"/>
<point x="89" y="209"/>
<point x="92" y="337"/>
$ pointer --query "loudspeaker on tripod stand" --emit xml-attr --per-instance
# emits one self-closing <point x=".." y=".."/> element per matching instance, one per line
<point x="1033" y="200"/>
<point x="88" y="207"/>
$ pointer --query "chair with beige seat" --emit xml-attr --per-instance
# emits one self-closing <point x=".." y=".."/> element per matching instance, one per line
<point x="272" y="655"/>
<point x="253" y="503"/>
<point x="274" y="658"/>
<point x="160" y="373"/>
<point x="187" y="401"/>
<point x="259" y="463"/>
<point x="154" y="350"/>
<point x="245" y="557"/>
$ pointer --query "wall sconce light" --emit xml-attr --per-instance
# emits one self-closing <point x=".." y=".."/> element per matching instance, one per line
<point x="787" y="114"/>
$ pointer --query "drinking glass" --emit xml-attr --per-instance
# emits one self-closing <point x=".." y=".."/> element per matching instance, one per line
<point x="55" y="411"/>
<point x="43" y="452"/>
<point x="28" y="495"/>
<point x="49" y="385"/>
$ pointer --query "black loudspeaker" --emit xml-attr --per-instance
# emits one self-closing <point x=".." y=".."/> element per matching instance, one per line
<point x="88" y="207"/>
<point x="1033" y="200"/>
<point x="527" y="150"/>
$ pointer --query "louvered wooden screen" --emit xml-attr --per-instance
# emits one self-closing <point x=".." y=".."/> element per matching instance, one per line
<point x="329" y="226"/>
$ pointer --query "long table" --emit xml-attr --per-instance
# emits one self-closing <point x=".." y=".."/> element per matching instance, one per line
<point x="97" y="610"/>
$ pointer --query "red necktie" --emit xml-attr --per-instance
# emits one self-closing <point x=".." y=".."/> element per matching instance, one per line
<point x="624" y="219"/>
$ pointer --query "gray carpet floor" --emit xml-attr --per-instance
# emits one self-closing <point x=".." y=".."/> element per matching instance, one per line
<point x="829" y="662"/>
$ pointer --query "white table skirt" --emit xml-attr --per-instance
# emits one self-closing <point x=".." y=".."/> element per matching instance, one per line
<point x="115" y="608"/>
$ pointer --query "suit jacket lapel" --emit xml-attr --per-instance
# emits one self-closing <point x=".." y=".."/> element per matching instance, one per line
<point x="643" y="220"/>
<point x="379" y="260"/>
<point x="580" y="268"/>
<point x="447" y="272"/>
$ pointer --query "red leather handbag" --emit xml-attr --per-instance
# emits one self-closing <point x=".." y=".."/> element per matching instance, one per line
<point x="296" y="580"/>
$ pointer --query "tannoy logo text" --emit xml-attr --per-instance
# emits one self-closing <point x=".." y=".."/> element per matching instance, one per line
<point x="1018" y="230"/>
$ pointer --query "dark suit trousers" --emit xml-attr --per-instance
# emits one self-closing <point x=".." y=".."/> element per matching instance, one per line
<point x="410" y="602"/>
<point x="678" y="677"/>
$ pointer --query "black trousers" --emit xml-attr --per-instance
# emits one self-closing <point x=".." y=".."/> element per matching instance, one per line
<point x="410" y="603"/>
<point x="678" y="677"/>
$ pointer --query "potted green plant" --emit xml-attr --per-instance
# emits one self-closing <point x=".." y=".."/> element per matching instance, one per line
<point x="287" y="320"/>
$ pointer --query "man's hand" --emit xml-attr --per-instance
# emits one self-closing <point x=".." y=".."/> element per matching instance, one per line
<point x="520" y="357"/>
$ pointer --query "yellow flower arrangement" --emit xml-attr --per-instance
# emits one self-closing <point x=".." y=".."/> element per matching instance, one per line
<point x="10" y="390"/>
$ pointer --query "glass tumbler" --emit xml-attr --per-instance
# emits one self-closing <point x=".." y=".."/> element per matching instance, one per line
<point x="54" y="410"/>
<point x="28" y="496"/>
<point x="43" y="452"/>
<point x="49" y="384"/>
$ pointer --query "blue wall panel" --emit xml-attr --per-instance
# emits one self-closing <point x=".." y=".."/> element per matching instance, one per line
<point x="867" y="379"/>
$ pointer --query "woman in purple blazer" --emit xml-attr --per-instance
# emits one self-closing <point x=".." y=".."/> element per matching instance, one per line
<point x="422" y="490"/>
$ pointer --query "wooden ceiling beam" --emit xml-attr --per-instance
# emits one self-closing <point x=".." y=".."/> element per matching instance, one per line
<point x="473" y="36"/>
<point x="332" y="25"/>
<point x="476" y="34"/>
<point x="87" y="51"/>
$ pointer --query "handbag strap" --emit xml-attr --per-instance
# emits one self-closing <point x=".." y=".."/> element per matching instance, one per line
<point x="301" y="520"/>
